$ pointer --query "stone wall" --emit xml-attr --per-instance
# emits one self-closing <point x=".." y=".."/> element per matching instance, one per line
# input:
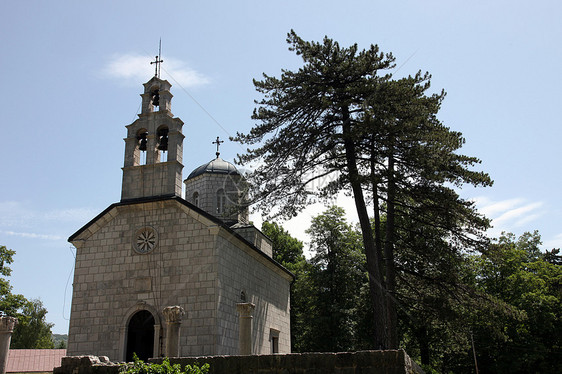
<point x="264" y="285"/>
<point x="364" y="362"/>
<point x="87" y="365"/>
<point x="112" y="281"/>
<point x="197" y="264"/>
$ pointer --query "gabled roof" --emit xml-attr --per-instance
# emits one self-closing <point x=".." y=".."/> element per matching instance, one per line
<point x="187" y="204"/>
<point x="34" y="360"/>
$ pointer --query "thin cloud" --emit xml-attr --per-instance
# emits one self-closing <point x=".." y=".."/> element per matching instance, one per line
<point x="31" y="235"/>
<point x="70" y="215"/>
<point x="134" y="68"/>
<point x="24" y="220"/>
<point x="509" y="214"/>
<point x="528" y="218"/>
<point x="519" y="215"/>
<point x="17" y="213"/>
<point x="492" y="208"/>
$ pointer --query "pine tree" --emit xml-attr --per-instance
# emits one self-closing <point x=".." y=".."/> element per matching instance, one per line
<point x="341" y="123"/>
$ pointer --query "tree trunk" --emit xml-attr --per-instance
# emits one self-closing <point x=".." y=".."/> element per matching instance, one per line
<point x="424" y="345"/>
<point x="373" y="260"/>
<point x="333" y="318"/>
<point x="390" y="274"/>
<point x="376" y="207"/>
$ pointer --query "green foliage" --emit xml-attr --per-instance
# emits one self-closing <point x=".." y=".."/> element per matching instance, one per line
<point x="327" y="311"/>
<point x="529" y="336"/>
<point x="301" y="305"/>
<point x="60" y="340"/>
<point x="32" y="330"/>
<point x="337" y="272"/>
<point x="140" y="367"/>
<point x="61" y="344"/>
<point x="6" y="258"/>
<point x="508" y="298"/>
<point x="10" y="304"/>
<point x="431" y="289"/>
<point x="429" y="370"/>
<point x="286" y="249"/>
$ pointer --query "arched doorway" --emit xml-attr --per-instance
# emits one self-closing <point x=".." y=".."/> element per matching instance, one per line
<point x="140" y="336"/>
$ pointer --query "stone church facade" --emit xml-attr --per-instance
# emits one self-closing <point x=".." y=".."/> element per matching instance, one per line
<point x="155" y="249"/>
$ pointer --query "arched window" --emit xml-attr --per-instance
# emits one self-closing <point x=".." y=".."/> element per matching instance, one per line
<point x="195" y="198"/>
<point x="221" y="200"/>
<point x="162" y="134"/>
<point x="142" y="139"/>
<point x="155" y="98"/>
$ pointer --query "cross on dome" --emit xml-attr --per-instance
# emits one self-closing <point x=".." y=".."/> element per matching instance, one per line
<point x="218" y="143"/>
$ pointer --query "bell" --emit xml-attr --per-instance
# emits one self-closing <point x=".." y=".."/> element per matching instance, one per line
<point x="163" y="143"/>
<point x="163" y="146"/>
<point x="155" y="98"/>
<point x="142" y="145"/>
<point x="142" y="141"/>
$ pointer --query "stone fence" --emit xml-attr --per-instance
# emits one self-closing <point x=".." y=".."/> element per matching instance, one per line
<point x="363" y="362"/>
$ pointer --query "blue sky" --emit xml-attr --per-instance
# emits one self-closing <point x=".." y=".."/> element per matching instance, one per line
<point x="72" y="73"/>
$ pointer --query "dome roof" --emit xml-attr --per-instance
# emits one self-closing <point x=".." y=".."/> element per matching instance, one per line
<point x="217" y="166"/>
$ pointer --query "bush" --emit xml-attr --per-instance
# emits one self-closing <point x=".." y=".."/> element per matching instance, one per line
<point x="140" y="367"/>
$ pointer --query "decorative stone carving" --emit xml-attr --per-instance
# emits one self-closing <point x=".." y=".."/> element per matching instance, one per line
<point x="7" y="325"/>
<point x="145" y="240"/>
<point x="173" y="315"/>
<point x="246" y="310"/>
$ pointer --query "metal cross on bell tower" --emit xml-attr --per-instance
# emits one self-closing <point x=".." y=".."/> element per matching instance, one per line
<point x="158" y="60"/>
<point x="218" y="143"/>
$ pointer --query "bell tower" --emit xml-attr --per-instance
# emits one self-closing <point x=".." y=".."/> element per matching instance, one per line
<point x="153" y="147"/>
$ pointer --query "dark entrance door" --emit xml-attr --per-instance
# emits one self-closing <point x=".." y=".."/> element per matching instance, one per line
<point x="140" y="336"/>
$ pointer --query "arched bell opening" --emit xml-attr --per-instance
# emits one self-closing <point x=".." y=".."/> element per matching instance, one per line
<point x="162" y="136"/>
<point x="140" y="336"/>
<point x="155" y="99"/>
<point x="142" y="146"/>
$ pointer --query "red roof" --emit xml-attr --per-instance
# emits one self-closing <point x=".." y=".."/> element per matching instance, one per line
<point x="34" y="360"/>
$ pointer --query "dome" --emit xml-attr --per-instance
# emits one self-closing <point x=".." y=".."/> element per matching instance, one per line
<point x="217" y="166"/>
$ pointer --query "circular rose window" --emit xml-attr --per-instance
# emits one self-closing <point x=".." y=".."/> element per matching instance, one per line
<point x="145" y="240"/>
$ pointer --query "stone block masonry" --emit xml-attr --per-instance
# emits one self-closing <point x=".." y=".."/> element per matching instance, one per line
<point x="363" y="362"/>
<point x="197" y="264"/>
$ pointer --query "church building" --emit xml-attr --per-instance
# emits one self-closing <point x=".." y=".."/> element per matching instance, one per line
<point x="157" y="274"/>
